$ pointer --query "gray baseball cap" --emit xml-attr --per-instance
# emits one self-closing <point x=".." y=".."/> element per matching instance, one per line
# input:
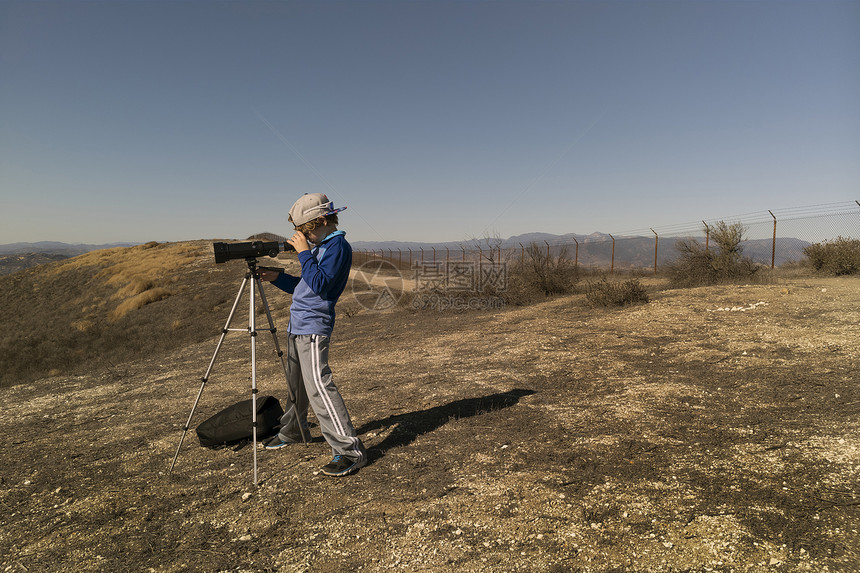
<point x="311" y="206"/>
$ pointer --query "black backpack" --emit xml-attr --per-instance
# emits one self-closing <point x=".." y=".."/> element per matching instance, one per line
<point x="232" y="425"/>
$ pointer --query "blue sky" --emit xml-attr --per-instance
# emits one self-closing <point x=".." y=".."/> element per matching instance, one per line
<point x="431" y="121"/>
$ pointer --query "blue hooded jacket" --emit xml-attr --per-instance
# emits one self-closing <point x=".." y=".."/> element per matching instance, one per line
<point x="325" y="272"/>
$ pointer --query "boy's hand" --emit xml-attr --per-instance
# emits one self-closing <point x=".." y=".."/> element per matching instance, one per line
<point x="268" y="275"/>
<point x="299" y="241"/>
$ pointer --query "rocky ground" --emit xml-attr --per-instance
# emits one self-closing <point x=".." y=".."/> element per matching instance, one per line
<point x="712" y="429"/>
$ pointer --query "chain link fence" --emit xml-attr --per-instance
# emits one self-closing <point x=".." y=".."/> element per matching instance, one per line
<point x="772" y="238"/>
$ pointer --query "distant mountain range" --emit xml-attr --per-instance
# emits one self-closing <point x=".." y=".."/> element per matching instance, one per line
<point x="56" y="248"/>
<point x="508" y="243"/>
<point x="16" y="257"/>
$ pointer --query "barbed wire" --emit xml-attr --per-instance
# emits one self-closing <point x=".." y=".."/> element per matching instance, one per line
<point x="785" y="214"/>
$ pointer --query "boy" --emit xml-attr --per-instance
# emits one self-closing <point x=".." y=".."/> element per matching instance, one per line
<point x="325" y="270"/>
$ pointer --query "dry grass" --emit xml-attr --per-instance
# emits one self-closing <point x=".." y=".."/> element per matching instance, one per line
<point x="673" y="436"/>
<point x="139" y="301"/>
<point x="111" y="305"/>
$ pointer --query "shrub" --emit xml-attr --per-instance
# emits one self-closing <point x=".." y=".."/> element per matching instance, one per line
<point x="838" y="257"/>
<point x="606" y="293"/>
<point x="540" y="274"/>
<point x="700" y="266"/>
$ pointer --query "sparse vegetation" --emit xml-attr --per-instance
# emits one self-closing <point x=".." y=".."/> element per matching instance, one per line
<point x="699" y="265"/>
<point x="111" y="306"/>
<point x="840" y="256"/>
<point x="540" y="274"/>
<point x="607" y="293"/>
<point x="693" y="434"/>
<point x="541" y="438"/>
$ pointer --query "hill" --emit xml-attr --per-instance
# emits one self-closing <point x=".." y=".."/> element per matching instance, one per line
<point x="15" y="257"/>
<point x="56" y="248"/>
<point x="712" y="429"/>
<point x="10" y="264"/>
<point x="99" y="308"/>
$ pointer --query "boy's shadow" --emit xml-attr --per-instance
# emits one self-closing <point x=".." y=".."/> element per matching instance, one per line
<point x="413" y="424"/>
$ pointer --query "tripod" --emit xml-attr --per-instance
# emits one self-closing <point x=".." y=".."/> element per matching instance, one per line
<point x="252" y="278"/>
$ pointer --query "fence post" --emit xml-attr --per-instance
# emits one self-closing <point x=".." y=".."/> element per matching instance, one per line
<point x="447" y="257"/>
<point x="707" y="235"/>
<point x="410" y="258"/>
<point x="576" y="257"/>
<point x="422" y="254"/>
<point x="612" y="265"/>
<point x="656" y="239"/>
<point x="773" y="252"/>
<point x="434" y="255"/>
<point x="547" y="250"/>
<point x="522" y="253"/>
<point x="462" y="248"/>
<point x="399" y="259"/>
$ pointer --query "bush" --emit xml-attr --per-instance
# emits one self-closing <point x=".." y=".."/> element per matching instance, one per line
<point x="605" y="293"/>
<point x="838" y="257"/>
<point x="539" y="275"/>
<point x="699" y="266"/>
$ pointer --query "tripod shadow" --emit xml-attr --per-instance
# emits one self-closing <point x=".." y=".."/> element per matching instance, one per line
<point x="413" y="424"/>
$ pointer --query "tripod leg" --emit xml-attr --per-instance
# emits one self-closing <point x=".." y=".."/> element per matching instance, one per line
<point x="224" y="332"/>
<point x="273" y="330"/>
<point x="252" y="329"/>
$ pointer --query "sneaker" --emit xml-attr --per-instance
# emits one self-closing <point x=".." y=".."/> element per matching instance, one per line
<point x="341" y="466"/>
<point x="275" y="443"/>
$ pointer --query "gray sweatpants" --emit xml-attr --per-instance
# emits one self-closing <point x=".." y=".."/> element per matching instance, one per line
<point x="309" y="376"/>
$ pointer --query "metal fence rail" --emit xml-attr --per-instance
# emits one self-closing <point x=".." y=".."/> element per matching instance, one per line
<point x="771" y="238"/>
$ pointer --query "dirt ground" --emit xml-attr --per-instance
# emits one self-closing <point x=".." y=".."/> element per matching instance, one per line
<point x="712" y="429"/>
